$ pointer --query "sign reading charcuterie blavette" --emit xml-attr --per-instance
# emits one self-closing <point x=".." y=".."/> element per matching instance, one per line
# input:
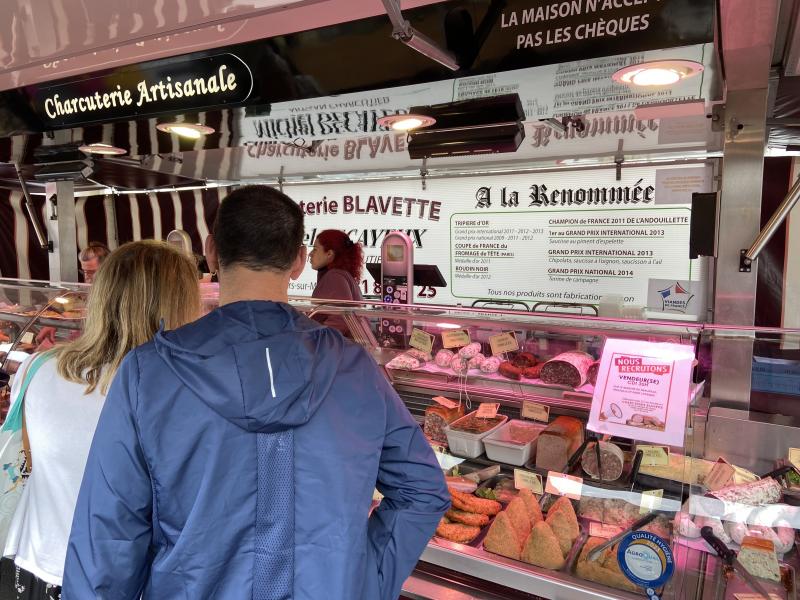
<point x="147" y="89"/>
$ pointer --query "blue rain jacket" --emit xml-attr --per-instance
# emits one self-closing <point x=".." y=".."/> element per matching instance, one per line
<point x="236" y="458"/>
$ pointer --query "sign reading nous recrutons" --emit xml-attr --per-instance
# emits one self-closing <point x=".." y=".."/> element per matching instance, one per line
<point x="147" y="89"/>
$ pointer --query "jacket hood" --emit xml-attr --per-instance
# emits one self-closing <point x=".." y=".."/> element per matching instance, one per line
<point x="252" y="363"/>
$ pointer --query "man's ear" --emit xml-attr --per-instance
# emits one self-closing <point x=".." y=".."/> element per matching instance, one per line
<point x="299" y="263"/>
<point x="210" y="250"/>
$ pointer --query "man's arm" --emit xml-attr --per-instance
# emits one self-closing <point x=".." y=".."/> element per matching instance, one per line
<point x="415" y="497"/>
<point x="112" y="528"/>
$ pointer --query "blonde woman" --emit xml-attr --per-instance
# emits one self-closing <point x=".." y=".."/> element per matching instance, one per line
<point x="137" y="286"/>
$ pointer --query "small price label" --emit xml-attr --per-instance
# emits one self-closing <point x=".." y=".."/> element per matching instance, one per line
<point x="455" y="338"/>
<point x="528" y="480"/>
<point x="651" y="500"/>
<point x="535" y="411"/>
<point x="560" y="484"/>
<point x="720" y="475"/>
<point x="503" y="342"/>
<point x="603" y="531"/>
<point x="794" y="457"/>
<point x="654" y="456"/>
<point x="446" y="402"/>
<point x="27" y="338"/>
<point x="488" y="410"/>
<point x="421" y="340"/>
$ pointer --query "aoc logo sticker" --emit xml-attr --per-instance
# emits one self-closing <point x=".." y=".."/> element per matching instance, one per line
<point x="646" y="560"/>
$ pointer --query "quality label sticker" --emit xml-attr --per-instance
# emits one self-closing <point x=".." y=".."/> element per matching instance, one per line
<point x="646" y="560"/>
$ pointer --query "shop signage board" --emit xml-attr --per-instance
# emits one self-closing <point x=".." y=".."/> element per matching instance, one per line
<point x="577" y="88"/>
<point x="642" y="391"/>
<point x="562" y="236"/>
<point x="166" y="86"/>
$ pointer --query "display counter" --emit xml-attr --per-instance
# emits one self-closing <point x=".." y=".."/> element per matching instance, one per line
<point x="535" y="486"/>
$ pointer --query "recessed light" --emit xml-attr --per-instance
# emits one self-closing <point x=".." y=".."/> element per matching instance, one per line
<point x="188" y="130"/>
<point x="448" y="326"/>
<point x="406" y="122"/>
<point x="657" y="73"/>
<point x="106" y="149"/>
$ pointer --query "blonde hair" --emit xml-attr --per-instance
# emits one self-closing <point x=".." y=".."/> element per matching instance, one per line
<point x="136" y="287"/>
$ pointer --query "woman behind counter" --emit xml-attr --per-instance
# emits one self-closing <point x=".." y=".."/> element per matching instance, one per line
<point x="136" y="287"/>
<point x="338" y="262"/>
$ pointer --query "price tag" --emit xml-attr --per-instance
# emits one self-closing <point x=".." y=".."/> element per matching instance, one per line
<point x="455" y="338"/>
<point x="446" y="402"/>
<point x="794" y="457"/>
<point x="503" y="342"/>
<point x="27" y="338"/>
<point x="651" y="500"/>
<point x="721" y="474"/>
<point x="526" y="479"/>
<point x="603" y="531"/>
<point x="654" y="456"/>
<point x="421" y="340"/>
<point x="560" y="484"/>
<point x="535" y="411"/>
<point x="488" y="410"/>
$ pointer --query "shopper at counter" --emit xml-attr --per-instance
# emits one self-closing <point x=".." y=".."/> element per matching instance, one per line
<point x="91" y="258"/>
<point x="137" y="286"/>
<point x="338" y="262"/>
<point x="236" y="457"/>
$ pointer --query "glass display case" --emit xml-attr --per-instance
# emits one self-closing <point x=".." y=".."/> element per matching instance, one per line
<point x="34" y="316"/>
<point x="557" y="464"/>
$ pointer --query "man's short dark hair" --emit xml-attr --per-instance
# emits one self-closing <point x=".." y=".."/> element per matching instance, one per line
<point x="259" y="228"/>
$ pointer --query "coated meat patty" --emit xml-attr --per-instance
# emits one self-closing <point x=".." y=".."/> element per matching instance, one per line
<point x="457" y="532"/>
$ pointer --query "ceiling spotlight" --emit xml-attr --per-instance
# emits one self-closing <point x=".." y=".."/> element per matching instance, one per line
<point x="657" y="73"/>
<point x="192" y="131"/>
<point x="105" y="149"/>
<point x="406" y="122"/>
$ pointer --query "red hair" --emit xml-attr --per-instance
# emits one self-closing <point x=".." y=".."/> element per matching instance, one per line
<point x="347" y="255"/>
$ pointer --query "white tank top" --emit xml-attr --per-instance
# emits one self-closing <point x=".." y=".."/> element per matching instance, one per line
<point x="60" y="419"/>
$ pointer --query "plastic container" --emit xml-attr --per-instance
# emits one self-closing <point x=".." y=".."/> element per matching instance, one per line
<point x="466" y="444"/>
<point x="507" y="443"/>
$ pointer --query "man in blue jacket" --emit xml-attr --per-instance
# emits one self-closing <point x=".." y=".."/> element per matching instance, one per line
<point x="236" y="456"/>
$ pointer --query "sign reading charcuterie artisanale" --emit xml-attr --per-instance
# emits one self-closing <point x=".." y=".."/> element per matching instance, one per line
<point x="146" y="89"/>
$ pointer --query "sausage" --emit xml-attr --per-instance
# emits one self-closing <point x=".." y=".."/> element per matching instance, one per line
<point x="591" y="374"/>
<point x="523" y="360"/>
<point x="532" y="372"/>
<point x="568" y="368"/>
<point x="508" y="369"/>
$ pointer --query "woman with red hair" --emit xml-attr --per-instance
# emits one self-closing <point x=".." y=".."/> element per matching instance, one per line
<point x="338" y="262"/>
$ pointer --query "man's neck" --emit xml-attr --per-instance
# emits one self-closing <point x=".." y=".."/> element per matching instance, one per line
<point x="238" y="284"/>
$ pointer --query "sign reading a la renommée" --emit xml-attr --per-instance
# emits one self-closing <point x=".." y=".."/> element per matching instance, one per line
<point x="146" y="89"/>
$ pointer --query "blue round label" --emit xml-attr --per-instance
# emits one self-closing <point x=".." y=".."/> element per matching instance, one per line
<point x="645" y="559"/>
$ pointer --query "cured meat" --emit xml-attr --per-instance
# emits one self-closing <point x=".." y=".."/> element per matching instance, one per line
<point x="568" y="368"/>
<point x="611" y="461"/>
<point x="459" y="365"/>
<point x="757" y="493"/>
<point x="558" y="442"/>
<point x="508" y="369"/>
<point x="403" y="361"/>
<point x="470" y="350"/>
<point x="437" y="418"/>
<point x="591" y="374"/>
<point x="444" y="358"/>
<point x="476" y="361"/>
<point x="490" y="365"/>
<point x="532" y="372"/>
<point x="523" y="360"/>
